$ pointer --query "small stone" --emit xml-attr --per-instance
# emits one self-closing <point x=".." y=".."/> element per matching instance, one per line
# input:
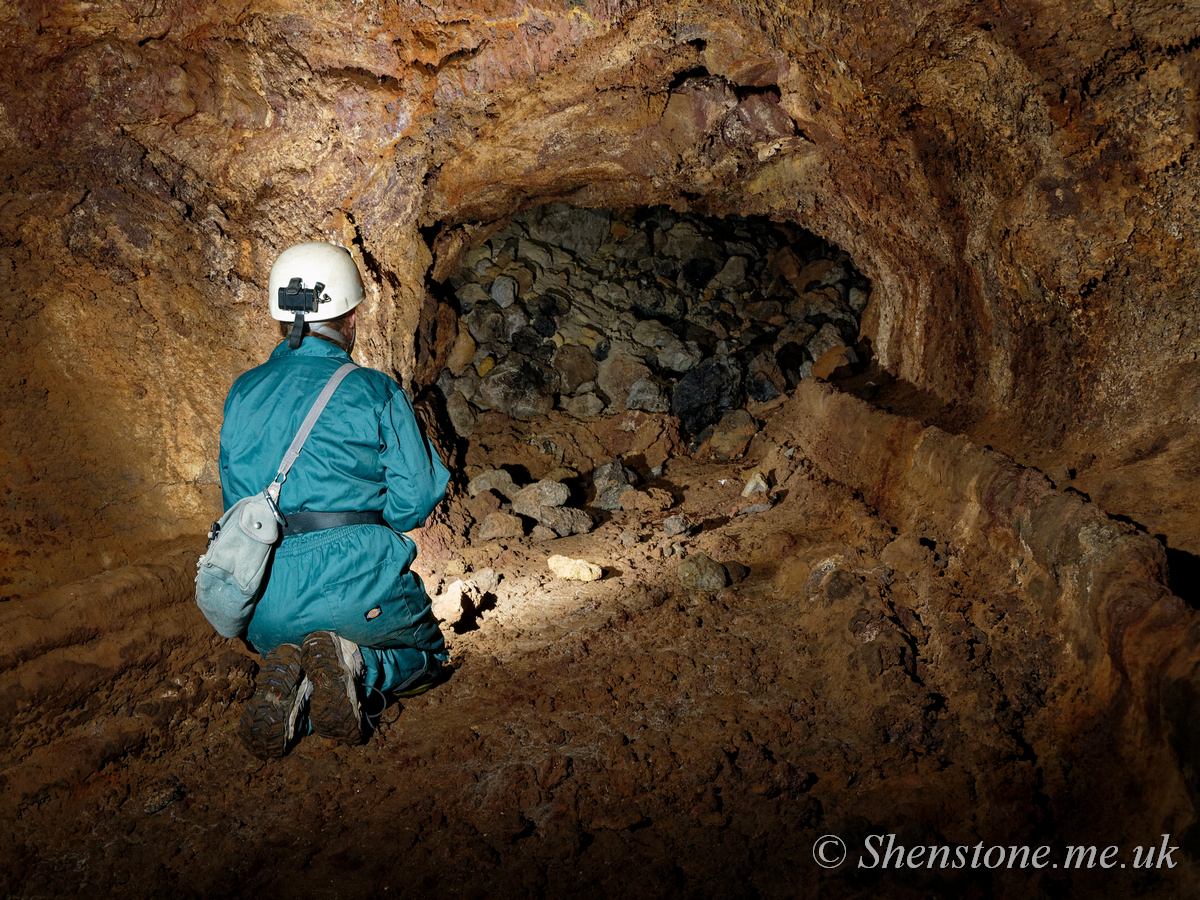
<point x="580" y="231"/>
<point x="565" y="522"/>
<point x="486" y="323"/>
<point x="541" y="534"/>
<point x="755" y="484"/>
<point x="732" y="434"/>
<point x="584" y="406"/>
<point x="529" y="501"/>
<point x="736" y="571"/>
<point x="824" y="341"/>
<point x="764" y="380"/>
<point x="757" y="119"/>
<point x="476" y="255"/>
<point x="458" y="598"/>
<point x="650" y="500"/>
<point x="618" y="374"/>
<point x="678" y="524"/>
<point x="496" y="480"/>
<point x="469" y="295"/>
<point x="679" y="357"/>
<point x="575" y="367"/>
<point x="857" y="298"/>
<point x="515" y="319"/>
<point x="611" y="480"/>
<point x="647" y="396"/>
<point x="462" y="352"/>
<point x="821" y="304"/>
<point x="483" y="505"/>
<point x="732" y="275"/>
<point x="629" y="539"/>
<point x="499" y="525"/>
<point x="487" y="580"/>
<point x="650" y="302"/>
<point x="519" y="387"/>
<point x="523" y="276"/>
<point x="705" y="392"/>
<point x="468" y="384"/>
<point x="818" y="273"/>
<point x="576" y="569"/>
<point x="534" y="253"/>
<point x="610" y="498"/>
<point x="652" y="333"/>
<point x="701" y="573"/>
<point x="751" y="509"/>
<point x="834" y="359"/>
<point x="162" y="794"/>
<point x="462" y="417"/>
<point x="504" y="291"/>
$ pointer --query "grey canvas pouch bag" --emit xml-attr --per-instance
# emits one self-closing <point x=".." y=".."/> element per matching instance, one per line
<point x="232" y="572"/>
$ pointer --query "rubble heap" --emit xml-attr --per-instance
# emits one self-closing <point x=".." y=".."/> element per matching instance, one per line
<point x="595" y="312"/>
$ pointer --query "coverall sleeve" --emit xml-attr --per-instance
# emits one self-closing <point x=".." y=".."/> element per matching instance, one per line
<point x="414" y="476"/>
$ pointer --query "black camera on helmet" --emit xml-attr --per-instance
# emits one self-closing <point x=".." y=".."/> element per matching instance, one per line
<point x="297" y="298"/>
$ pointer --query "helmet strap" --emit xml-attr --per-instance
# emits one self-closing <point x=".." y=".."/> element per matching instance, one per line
<point x="297" y="333"/>
<point x="333" y="334"/>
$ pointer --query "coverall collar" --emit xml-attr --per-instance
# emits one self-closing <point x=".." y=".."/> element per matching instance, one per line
<point x="311" y="346"/>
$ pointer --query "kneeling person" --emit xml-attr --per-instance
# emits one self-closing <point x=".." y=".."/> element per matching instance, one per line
<point x="342" y="613"/>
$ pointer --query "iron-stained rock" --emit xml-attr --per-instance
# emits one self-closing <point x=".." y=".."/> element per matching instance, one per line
<point x="732" y="434"/>
<point x="500" y="525"/>
<point x="575" y="366"/>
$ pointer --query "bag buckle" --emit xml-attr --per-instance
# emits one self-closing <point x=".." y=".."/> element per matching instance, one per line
<point x="275" y="509"/>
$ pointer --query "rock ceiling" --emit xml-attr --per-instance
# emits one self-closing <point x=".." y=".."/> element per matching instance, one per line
<point x="1015" y="179"/>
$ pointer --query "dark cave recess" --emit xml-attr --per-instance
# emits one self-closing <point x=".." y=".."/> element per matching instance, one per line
<point x="596" y="311"/>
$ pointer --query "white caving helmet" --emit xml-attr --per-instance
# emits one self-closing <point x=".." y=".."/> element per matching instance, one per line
<point x="313" y="282"/>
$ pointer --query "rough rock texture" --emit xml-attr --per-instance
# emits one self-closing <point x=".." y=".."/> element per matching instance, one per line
<point x="1015" y="180"/>
<point x="1018" y="181"/>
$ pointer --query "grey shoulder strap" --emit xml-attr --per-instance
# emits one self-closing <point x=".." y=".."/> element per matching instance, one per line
<point x="307" y="426"/>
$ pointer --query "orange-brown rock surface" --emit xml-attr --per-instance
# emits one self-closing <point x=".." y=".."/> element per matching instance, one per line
<point x="1016" y="178"/>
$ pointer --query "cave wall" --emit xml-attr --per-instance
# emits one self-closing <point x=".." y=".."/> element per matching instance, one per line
<point x="1016" y="178"/>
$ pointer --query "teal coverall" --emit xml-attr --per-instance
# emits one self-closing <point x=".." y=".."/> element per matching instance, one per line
<point x="366" y="452"/>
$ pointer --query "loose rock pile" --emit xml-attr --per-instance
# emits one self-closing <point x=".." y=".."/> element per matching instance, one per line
<point x="595" y="312"/>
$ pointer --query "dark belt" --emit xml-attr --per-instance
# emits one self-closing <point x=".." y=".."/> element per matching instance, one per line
<point x="303" y="522"/>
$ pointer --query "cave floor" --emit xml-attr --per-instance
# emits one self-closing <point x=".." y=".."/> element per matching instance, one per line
<point x="622" y="736"/>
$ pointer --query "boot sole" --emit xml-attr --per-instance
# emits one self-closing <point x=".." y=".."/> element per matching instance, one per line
<point x="334" y="709"/>
<point x="268" y="720"/>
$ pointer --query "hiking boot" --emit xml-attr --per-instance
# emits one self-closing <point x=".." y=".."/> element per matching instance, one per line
<point x="334" y="666"/>
<point x="269" y="722"/>
<point x="432" y="675"/>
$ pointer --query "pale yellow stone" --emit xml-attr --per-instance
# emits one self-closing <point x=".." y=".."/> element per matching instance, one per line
<point x="574" y="569"/>
<point x="462" y="352"/>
